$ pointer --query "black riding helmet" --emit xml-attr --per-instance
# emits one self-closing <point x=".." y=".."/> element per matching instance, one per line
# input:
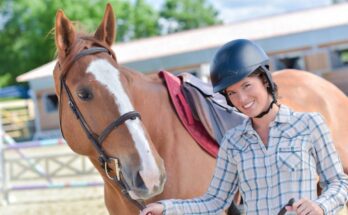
<point x="236" y="60"/>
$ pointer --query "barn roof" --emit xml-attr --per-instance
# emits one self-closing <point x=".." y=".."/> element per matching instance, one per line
<point x="215" y="36"/>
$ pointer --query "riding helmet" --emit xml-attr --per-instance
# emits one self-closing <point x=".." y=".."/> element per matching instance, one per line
<point x="236" y="60"/>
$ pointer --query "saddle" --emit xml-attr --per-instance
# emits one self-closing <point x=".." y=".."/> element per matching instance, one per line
<point x="210" y="108"/>
<point x="205" y="115"/>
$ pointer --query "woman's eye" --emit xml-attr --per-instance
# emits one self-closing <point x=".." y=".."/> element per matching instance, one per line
<point x="230" y="93"/>
<point x="84" y="94"/>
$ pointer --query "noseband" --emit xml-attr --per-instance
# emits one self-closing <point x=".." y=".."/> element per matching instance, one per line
<point x="97" y="140"/>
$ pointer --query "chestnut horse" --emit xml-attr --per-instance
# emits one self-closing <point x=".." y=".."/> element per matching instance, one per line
<point x="100" y="104"/>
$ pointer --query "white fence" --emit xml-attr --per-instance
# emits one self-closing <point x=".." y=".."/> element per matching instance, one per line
<point x="44" y="164"/>
<point x="17" y="118"/>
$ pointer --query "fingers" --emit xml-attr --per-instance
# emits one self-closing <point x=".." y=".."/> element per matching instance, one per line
<point x="305" y="206"/>
<point x="304" y="209"/>
<point x="152" y="209"/>
<point x="289" y="208"/>
<point x="146" y="211"/>
<point x="298" y="203"/>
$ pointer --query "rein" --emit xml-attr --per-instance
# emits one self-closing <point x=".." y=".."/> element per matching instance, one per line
<point x="97" y="140"/>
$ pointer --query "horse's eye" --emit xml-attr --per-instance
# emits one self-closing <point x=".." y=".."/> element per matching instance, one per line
<point x="85" y="94"/>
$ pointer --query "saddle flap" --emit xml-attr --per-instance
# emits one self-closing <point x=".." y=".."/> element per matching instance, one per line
<point x="211" y="109"/>
<point x="204" y="88"/>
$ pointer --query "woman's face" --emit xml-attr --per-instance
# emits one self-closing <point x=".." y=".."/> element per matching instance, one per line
<point x="249" y="96"/>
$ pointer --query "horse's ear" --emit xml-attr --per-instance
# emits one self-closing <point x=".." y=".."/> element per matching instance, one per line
<point x="106" y="31"/>
<point x="65" y="33"/>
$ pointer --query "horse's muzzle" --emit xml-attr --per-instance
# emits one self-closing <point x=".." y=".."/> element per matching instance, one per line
<point x="141" y="190"/>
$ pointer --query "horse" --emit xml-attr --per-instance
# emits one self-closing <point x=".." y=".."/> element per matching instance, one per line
<point x="306" y="92"/>
<point x="125" y="122"/>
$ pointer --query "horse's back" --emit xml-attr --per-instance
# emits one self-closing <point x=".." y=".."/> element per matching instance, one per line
<point x="306" y="92"/>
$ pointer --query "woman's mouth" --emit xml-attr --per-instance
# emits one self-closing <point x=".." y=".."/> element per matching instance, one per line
<point x="248" y="105"/>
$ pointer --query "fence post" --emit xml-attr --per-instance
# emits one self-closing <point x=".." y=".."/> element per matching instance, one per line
<point x="2" y="164"/>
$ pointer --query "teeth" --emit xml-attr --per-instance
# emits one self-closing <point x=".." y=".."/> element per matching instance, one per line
<point x="248" y="105"/>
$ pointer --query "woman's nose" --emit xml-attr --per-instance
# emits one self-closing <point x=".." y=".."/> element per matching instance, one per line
<point x="240" y="98"/>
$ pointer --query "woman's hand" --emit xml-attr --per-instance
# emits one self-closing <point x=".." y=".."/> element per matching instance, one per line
<point x="153" y="209"/>
<point x="305" y="206"/>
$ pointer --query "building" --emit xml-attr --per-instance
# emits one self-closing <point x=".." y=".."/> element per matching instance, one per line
<point x="315" y="40"/>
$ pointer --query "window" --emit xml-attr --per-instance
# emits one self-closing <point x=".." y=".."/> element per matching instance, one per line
<point x="295" y="62"/>
<point x="50" y="103"/>
<point x="339" y="58"/>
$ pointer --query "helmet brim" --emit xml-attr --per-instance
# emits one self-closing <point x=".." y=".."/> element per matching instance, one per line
<point x="233" y="78"/>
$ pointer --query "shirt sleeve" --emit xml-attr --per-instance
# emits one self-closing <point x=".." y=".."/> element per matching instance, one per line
<point x="332" y="178"/>
<point x="222" y="188"/>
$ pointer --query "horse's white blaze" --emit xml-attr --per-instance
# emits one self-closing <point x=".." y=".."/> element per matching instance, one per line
<point x="109" y="76"/>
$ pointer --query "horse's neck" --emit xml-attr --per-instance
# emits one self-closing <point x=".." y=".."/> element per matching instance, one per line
<point x="171" y="140"/>
<point x="150" y="97"/>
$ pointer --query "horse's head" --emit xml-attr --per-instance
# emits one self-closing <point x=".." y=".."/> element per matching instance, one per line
<point x="97" y="116"/>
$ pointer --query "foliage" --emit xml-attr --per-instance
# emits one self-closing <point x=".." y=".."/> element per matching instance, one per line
<point x="144" y="20"/>
<point x="188" y="14"/>
<point x="26" y="39"/>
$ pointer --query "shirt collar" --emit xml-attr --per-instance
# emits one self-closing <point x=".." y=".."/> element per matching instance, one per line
<point x="283" y="116"/>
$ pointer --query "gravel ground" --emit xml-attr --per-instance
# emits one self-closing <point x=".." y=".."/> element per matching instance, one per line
<point x="69" y="201"/>
<point x="61" y="202"/>
<point x="78" y="207"/>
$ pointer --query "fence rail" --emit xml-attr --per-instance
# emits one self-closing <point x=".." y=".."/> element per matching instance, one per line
<point x="17" y="117"/>
<point x="45" y="164"/>
<point x="60" y="165"/>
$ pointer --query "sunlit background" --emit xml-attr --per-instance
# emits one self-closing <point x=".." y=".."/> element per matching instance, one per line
<point x="38" y="173"/>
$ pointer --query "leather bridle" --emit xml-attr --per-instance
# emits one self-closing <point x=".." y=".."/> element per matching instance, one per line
<point x="97" y="140"/>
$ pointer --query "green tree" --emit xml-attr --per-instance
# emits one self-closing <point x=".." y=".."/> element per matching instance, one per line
<point x="182" y="15"/>
<point x="145" y="20"/>
<point x="136" y="20"/>
<point x="27" y="40"/>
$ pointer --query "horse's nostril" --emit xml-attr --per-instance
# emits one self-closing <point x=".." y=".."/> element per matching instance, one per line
<point x="139" y="182"/>
<point x="163" y="178"/>
<point x="156" y="187"/>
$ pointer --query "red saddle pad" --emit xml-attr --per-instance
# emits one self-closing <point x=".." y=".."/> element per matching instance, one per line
<point x="194" y="127"/>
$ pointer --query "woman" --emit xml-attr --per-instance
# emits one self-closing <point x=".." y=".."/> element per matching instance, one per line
<point x="274" y="156"/>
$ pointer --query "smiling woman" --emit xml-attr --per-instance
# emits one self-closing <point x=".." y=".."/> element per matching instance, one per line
<point x="274" y="156"/>
<point x="241" y="94"/>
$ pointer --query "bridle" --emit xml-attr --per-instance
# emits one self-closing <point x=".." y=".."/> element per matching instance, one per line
<point x="97" y="140"/>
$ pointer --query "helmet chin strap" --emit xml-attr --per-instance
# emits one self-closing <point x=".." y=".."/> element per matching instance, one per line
<point x="274" y="101"/>
<point x="266" y="111"/>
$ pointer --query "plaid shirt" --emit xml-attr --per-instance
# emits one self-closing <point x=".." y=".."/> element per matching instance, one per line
<point x="299" y="148"/>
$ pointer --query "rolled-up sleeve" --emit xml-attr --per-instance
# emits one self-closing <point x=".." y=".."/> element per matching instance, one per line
<point x="220" y="192"/>
<point x="332" y="178"/>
